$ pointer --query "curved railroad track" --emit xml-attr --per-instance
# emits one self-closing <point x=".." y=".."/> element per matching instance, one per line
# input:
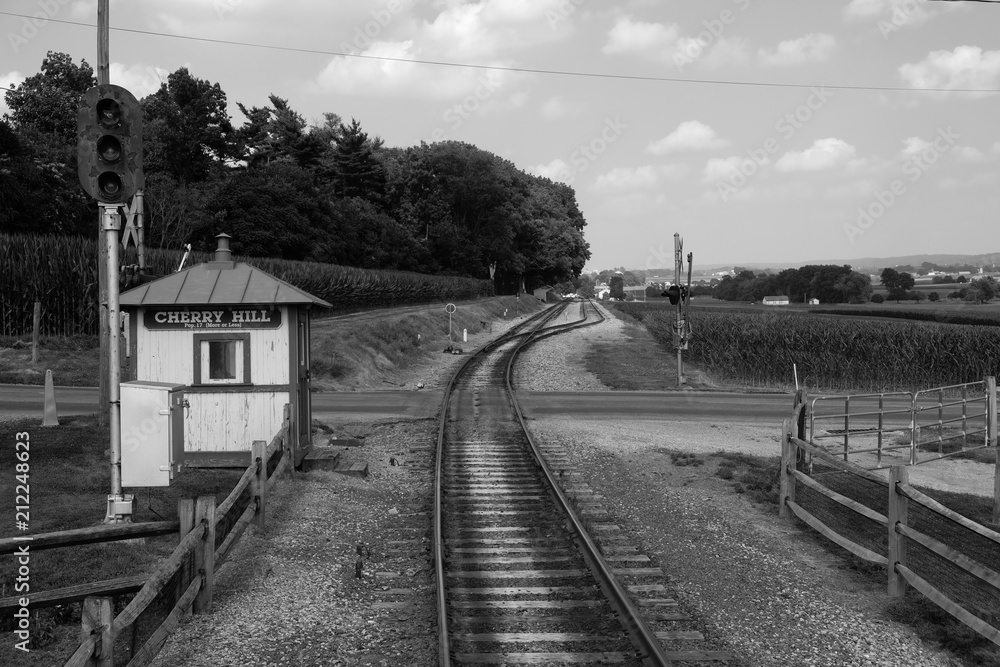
<point x="521" y="579"/>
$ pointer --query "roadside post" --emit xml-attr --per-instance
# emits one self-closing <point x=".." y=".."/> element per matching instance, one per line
<point x="450" y="309"/>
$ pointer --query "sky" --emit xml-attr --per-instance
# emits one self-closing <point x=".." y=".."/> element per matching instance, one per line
<point x="758" y="130"/>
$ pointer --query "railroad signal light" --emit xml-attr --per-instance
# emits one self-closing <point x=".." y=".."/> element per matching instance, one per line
<point x="673" y="293"/>
<point x="109" y="143"/>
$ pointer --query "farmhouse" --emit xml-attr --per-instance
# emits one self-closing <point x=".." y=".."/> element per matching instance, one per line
<point x="237" y="339"/>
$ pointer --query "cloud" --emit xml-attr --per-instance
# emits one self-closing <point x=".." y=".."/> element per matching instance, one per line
<point x="915" y="146"/>
<point x="965" y="67"/>
<point x="483" y="29"/>
<point x="557" y="170"/>
<point x="140" y="80"/>
<point x="900" y="12"/>
<point x="389" y="78"/>
<point x="813" y="47"/>
<point x="823" y="154"/>
<point x="969" y="154"/>
<point x="651" y="39"/>
<point x="639" y="178"/>
<point x="663" y="42"/>
<point x="690" y="135"/>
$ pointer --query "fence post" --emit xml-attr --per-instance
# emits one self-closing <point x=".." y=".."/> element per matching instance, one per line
<point x="258" y="485"/>
<point x="898" y="510"/>
<point x="185" y="515"/>
<point x="96" y="617"/>
<point x="291" y="442"/>
<point x="204" y="559"/>
<point x="788" y="454"/>
<point x="36" y="324"/>
<point x="991" y="440"/>
<point x="800" y="399"/>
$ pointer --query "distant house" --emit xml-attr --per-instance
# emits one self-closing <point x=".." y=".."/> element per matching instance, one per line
<point x="635" y="291"/>
<point x="541" y="293"/>
<point x="775" y="300"/>
<point x="814" y="301"/>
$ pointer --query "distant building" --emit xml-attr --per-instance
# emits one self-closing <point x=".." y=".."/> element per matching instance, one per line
<point x="635" y="291"/>
<point x="814" y="301"/>
<point x="775" y="300"/>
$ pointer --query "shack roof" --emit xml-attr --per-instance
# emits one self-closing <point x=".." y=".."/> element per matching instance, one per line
<point x="218" y="282"/>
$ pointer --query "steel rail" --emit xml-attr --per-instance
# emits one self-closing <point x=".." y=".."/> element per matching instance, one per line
<point x="444" y="642"/>
<point x="640" y="634"/>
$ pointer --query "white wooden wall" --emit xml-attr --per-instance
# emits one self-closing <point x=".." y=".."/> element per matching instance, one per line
<point x="223" y="421"/>
<point x="168" y="355"/>
<point x="230" y="422"/>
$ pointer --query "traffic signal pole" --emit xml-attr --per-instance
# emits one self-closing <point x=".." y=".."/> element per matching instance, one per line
<point x="103" y="78"/>
<point x="679" y="327"/>
<point x="119" y="507"/>
<point x="110" y="226"/>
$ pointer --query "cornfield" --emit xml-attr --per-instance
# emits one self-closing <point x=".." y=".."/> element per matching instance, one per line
<point x="61" y="272"/>
<point x="830" y="353"/>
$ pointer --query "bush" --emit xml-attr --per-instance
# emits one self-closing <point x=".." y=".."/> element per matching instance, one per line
<point x="877" y="298"/>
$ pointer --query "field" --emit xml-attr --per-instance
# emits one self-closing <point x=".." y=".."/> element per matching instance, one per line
<point x="768" y="347"/>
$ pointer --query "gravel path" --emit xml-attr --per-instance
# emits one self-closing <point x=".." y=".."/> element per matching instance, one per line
<point x="762" y="586"/>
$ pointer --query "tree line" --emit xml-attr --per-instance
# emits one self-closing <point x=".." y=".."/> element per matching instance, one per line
<point x="827" y="282"/>
<point x="286" y="189"/>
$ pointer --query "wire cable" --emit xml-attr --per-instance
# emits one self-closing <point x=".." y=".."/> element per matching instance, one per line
<point x="527" y="70"/>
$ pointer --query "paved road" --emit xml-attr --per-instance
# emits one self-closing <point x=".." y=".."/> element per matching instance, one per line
<point x="27" y="400"/>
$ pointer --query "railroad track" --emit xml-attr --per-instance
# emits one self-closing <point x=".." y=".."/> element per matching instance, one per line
<point x="528" y="569"/>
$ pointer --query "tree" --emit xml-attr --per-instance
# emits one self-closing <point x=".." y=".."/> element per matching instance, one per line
<point x="356" y="170"/>
<point x="39" y="188"/>
<point x="933" y="296"/>
<point x="48" y="100"/>
<point x="616" y="287"/>
<point x="982" y="290"/>
<point x="278" y="133"/>
<point x="897" y="284"/>
<point x="187" y="132"/>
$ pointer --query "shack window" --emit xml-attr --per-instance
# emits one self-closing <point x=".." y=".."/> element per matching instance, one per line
<point x="222" y="359"/>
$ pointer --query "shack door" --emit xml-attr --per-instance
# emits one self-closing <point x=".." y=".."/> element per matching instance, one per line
<point x="304" y="401"/>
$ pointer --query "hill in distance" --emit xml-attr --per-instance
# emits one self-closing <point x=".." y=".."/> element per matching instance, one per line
<point x="872" y="264"/>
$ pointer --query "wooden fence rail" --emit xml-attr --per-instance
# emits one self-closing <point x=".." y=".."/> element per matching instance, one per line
<point x="201" y="524"/>
<point x="898" y="533"/>
<point x="91" y="535"/>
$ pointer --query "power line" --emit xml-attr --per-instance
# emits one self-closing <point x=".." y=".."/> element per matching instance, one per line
<point x="528" y="70"/>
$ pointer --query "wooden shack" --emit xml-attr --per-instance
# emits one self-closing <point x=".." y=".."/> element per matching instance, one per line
<point x="238" y="338"/>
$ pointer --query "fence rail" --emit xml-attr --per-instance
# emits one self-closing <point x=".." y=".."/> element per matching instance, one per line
<point x="899" y="529"/>
<point x="207" y="538"/>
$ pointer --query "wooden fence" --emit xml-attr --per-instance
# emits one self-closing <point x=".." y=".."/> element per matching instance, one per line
<point x="183" y="581"/>
<point x="898" y="528"/>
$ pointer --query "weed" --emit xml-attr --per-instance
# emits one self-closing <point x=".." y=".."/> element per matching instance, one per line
<point x="681" y="459"/>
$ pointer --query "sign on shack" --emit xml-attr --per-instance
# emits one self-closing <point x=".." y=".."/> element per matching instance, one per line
<point x="237" y="338"/>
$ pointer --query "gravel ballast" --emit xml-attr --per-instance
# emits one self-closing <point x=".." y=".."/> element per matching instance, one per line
<point x="763" y="586"/>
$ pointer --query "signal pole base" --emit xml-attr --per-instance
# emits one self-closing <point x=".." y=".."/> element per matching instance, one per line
<point x="119" y="508"/>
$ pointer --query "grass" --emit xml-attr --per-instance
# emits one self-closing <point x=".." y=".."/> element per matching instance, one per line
<point x="69" y="481"/>
<point x="615" y="364"/>
<point x="73" y="360"/>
